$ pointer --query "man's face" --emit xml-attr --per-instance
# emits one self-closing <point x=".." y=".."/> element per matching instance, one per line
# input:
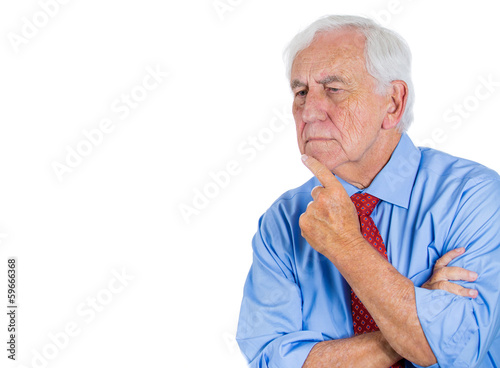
<point x="337" y="113"/>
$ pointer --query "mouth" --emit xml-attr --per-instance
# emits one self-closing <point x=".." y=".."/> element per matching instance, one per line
<point x="318" y="139"/>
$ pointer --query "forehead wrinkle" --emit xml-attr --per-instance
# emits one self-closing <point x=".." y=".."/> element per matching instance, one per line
<point x="331" y="68"/>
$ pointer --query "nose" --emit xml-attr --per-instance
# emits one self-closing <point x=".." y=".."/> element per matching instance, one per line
<point x="315" y="106"/>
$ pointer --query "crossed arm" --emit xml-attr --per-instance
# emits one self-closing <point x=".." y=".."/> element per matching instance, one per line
<point x="389" y="296"/>
<point x="372" y="349"/>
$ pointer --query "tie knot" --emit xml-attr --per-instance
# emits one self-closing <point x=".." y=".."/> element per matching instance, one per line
<point x="365" y="203"/>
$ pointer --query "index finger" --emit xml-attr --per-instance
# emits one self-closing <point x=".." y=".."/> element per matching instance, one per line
<point x="320" y="171"/>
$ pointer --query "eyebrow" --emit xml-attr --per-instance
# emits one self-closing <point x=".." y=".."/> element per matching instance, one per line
<point x="332" y="78"/>
<point x="296" y="83"/>
<point x="326" y="80"/>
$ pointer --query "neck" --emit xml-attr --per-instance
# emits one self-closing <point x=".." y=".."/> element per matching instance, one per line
<point x="361" y="173"/>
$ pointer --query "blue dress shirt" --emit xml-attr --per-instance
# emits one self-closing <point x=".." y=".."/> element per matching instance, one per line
<point x="430" y="203"/>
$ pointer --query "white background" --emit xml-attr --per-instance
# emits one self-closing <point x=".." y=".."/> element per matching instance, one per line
<point x="119" y="209"/>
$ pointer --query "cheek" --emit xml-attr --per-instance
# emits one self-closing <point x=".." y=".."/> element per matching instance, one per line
<point x="296" y="111"/>
<point x="350" y="118"/>
<point x="299" y="127"/>
<point x="299" y="124"/>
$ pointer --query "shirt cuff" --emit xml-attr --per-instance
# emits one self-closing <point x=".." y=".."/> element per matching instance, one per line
<point x="447" y="321"/>
<point x="279" y="350"/>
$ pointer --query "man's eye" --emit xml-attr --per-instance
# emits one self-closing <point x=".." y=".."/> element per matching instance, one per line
<point x="334" y="90"/>
<point x="302" y="93"/>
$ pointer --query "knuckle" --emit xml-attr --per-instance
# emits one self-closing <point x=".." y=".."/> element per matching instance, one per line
<point x="463" y="291"/>
<point x="302" y="219"/>
<point x="439" y="273"/>
<point x="320" y="197"/>
<point x="304" y="223"/>
<point x="430" y="282"/>
<point x="316" y="190"/>
<point x="457" y="273"/>
<point x="440" y="263"/>
<point x="442" y="285"/>
<point x="323" y="197"/>
<point x="459" y="290"/>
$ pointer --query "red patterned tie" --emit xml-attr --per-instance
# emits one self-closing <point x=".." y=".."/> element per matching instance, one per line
<point x="361" y="320"/>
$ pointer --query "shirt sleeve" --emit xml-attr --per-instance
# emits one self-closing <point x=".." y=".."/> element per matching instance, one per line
<point x="461" y="330"/>
<point x="270" y="325"/>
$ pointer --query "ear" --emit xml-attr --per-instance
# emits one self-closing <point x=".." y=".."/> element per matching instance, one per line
<point x="397" y="95"/>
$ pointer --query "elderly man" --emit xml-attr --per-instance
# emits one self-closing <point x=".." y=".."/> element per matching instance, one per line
<point x="389" y="255"/>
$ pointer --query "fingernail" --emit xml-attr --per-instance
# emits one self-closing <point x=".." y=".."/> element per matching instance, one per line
<point x="473" y="275"/>
<point x="303" y="157"/>
<point x="473" y="293"/>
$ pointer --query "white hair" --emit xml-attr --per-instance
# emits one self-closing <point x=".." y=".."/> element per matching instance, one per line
<point x="387" y="55"/>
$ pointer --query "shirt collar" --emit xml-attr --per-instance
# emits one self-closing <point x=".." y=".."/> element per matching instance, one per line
<point x="394" y="182"/>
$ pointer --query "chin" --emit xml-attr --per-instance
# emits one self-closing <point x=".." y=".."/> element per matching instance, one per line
<point x="329" y="159"/>
<point x="329" y="153"/>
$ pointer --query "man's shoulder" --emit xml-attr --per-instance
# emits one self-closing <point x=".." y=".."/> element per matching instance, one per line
<point x="435" y="163"/>
<point x="298" y="192"/>
<point x="279" y="225"/>
<point x="294" y="201"/>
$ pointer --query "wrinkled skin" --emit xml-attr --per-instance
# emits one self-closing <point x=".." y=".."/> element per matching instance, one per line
<point x="340" y="121"/>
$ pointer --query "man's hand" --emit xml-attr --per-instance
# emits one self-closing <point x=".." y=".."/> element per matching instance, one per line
<point x="442" y="275"/>
<point x="331" y="218"/>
